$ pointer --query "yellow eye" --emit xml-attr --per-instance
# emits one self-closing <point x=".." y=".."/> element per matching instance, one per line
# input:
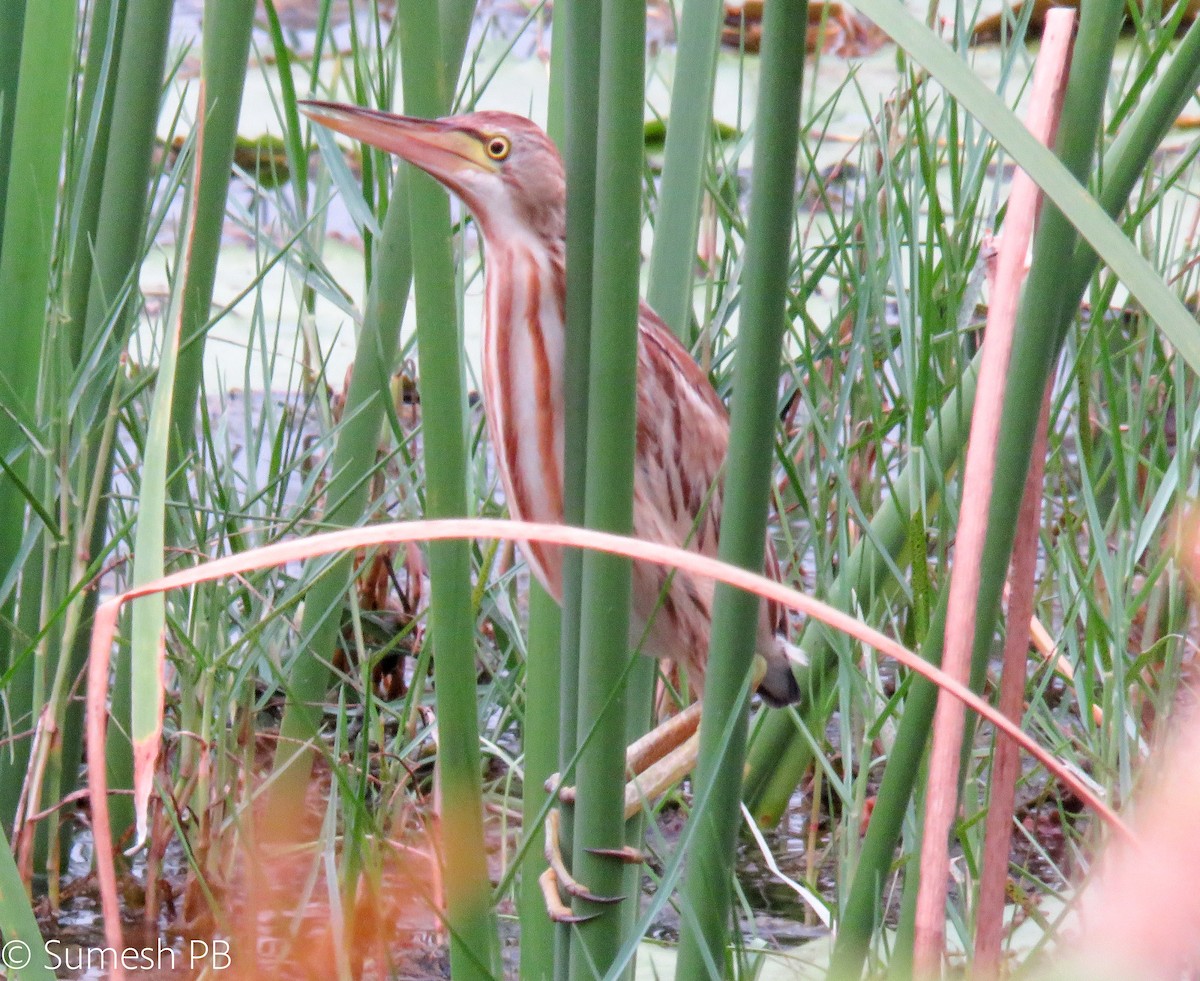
<point x="498" y="147"/>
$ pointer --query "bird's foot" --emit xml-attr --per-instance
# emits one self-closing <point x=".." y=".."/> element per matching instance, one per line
<point x="557" y="877"/>
<point x="554" y="788"/>
<point x="654" y="763"/>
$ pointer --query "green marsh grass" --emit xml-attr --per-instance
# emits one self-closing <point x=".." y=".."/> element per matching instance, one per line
<point x="33" y="132"/>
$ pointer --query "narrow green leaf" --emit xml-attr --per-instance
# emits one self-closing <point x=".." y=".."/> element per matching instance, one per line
<point x="149" y="614"/>
<point x="25" y="953"/>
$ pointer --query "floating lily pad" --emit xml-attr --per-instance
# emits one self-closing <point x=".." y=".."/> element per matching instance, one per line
<point x="655" y="133"/>
<point x="265" y="157"/>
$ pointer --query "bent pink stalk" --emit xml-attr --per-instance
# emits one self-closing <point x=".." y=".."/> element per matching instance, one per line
<point x="105" y="625"/>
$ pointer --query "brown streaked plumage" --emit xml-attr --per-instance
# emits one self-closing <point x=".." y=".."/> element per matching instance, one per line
<point x="510" y="176"/>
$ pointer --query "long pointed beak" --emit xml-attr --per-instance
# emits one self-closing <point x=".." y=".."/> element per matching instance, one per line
<point x="439" y="147"/>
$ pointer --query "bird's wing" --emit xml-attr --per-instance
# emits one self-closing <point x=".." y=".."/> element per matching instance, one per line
<point x="682" y="440"/>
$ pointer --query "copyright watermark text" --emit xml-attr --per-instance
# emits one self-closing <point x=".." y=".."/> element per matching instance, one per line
<point x="15" y="955"/>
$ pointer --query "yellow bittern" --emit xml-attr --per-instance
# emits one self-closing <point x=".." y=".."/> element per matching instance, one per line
<point x="510" y="176"/>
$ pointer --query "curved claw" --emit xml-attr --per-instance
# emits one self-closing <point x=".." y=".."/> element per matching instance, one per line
<point x="580" y="891"/>
<point x="558" y="910"/>
<point x="627" y="854"/>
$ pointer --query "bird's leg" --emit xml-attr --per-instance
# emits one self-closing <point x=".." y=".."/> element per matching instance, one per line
<point x="661" y="758"/>
<point x="654" y="763"/>
<point x="661" y="741"/>
<point x="665" y="755"/>
<point x="647" y="759"/>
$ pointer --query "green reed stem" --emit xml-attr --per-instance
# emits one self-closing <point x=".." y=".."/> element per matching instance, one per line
<point x="226" y="51"/>
<point x="474" y="942"/>
<point x="690" y="124"/>
<point x="541" y="731"/>
<point x="367" y="400"/>
<point x="540" y="736"/>
<point x="612" y="416"/>
<point x="12" y="29"/>
<point x="578" y="68"/>
<point x="707" y="893"/>
<point x="38" y="114"/>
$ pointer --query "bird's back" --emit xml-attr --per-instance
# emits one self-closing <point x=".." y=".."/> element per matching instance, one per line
<point x="682" y="441"/>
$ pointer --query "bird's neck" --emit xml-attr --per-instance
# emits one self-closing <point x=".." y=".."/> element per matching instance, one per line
<point x="525" y="287"/>
<point x="523" y="380"/>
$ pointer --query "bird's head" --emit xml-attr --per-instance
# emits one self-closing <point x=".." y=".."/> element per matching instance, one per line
<point x="503" y="167"/>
